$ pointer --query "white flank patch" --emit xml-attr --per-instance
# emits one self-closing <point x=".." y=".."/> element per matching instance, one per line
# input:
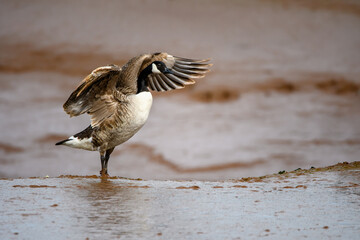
<point x="84" y="143"/>
<point x="155" y="69"/>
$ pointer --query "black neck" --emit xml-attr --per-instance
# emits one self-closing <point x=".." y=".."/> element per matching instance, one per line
<point x="141" y="81"/>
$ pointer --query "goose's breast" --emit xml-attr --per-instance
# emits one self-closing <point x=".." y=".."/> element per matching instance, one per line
<point x="140" y="105"/>
<point x="135" y="116"/>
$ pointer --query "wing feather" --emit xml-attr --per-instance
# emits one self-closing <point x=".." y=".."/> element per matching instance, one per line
<point x="152" y="84"/>
<point x="97" y="95"/>
<point x="157" y="85"/>
<point x="94" y="85"/>
<point x="184" y="71"/>
<point x="180" y="81"/>
<point x="163" y="84"/>
<point x="171" y="84"/>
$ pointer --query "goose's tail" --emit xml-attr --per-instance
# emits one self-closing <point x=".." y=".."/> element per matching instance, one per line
<point x="81" y="140"/>
<point x="62" y="142"/>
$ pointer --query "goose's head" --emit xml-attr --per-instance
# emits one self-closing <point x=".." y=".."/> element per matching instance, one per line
<point x="159" y="67"/>
<point x="155" y="67"/>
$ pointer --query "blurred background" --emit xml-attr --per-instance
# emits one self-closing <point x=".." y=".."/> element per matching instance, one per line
<point x="283" y="92"/>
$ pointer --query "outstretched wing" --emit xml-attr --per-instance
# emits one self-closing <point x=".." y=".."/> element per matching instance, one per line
<point x="97" y="95"/>
<point x="184" y="70"/>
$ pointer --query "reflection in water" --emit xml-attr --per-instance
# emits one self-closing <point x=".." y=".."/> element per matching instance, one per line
<point x="115" y="208"/>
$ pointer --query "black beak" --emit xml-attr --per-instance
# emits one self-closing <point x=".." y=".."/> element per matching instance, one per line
<point x="168" y="71"/>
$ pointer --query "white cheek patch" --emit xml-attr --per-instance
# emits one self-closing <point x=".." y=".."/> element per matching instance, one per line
<point x="155" y="69"/>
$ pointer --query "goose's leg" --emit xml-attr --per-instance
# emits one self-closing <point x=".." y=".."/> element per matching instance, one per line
<point x="103" y="172"/>
<point x="107" y="157"/>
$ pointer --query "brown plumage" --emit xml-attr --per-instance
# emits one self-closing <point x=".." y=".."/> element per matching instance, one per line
<point x="118" y="101"/>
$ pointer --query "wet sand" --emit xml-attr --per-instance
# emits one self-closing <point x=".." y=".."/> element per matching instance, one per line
<point x="317" y="203"/>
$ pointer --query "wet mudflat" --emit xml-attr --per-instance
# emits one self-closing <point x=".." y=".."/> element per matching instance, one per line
<point x="315" y="203"/>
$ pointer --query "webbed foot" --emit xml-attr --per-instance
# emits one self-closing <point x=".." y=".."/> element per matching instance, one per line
<point x="104" y="173"/>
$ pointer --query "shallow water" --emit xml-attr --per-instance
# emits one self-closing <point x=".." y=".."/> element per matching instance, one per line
<point x="295" y="205"/>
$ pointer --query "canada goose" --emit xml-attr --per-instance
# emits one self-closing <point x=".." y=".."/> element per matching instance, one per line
<point x="118" y="99"/>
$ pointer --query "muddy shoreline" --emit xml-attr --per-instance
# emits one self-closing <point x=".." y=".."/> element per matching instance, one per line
<point x="283" y="205"/>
